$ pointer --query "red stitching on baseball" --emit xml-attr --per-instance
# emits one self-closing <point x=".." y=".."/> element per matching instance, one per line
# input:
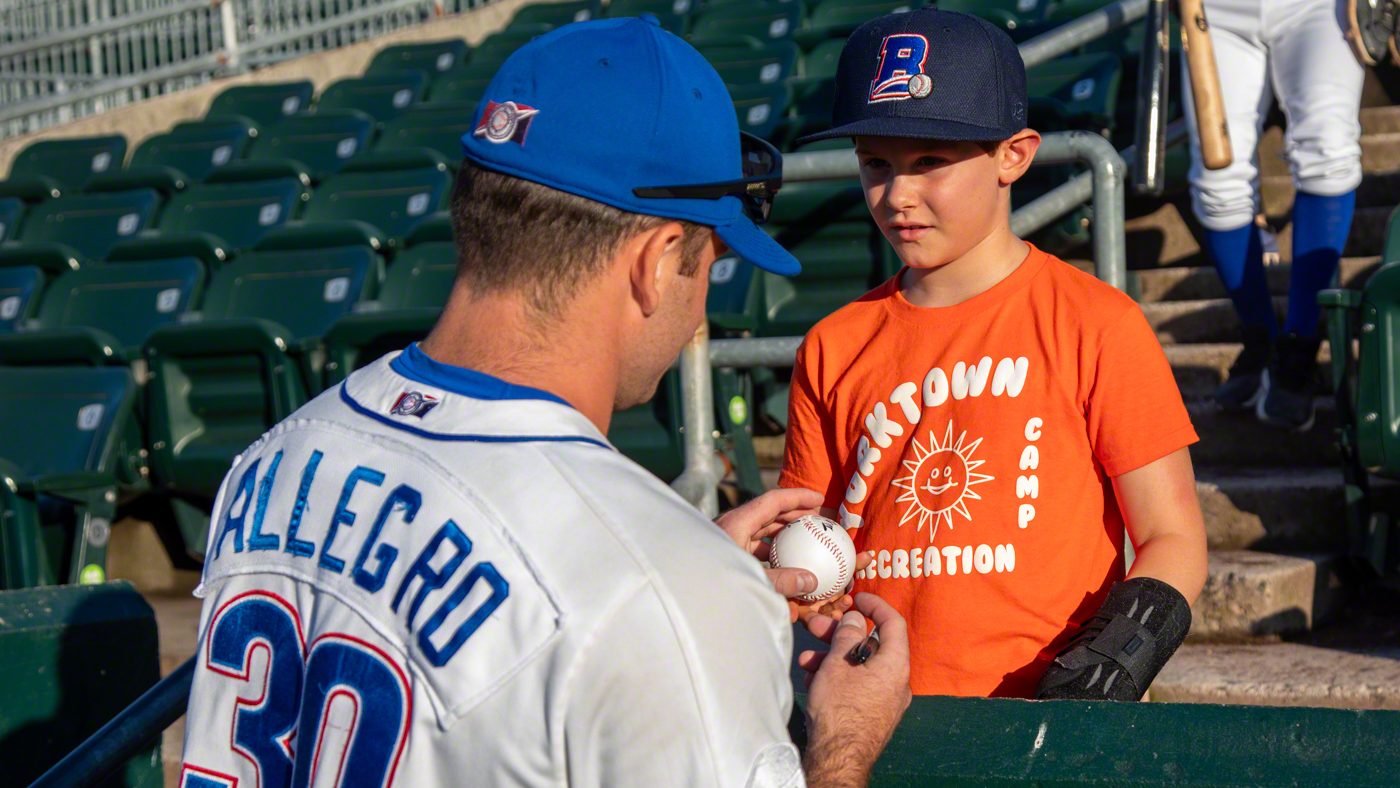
<point x="835" y="549"/>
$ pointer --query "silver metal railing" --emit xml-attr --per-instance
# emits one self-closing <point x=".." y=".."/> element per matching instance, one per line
<point x="63" y="59"/>
<point x="1103" y="183"/>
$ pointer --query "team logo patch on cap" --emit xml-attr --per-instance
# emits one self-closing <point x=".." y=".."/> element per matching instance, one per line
<point x="413" y="403"/>
<point x="505" y="122"/>
<point x="902" y="57"/>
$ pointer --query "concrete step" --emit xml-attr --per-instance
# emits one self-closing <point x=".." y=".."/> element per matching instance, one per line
<point x="1251" y="594"/>
<point x="1282" y="674"/>
<point x="1203" y="320"/>
<point x="1279" y="509"/>
<point x="1380" y="150"/>
<point x="1377" y="190"/>
<point x="1380" y="120"/>
<point x="1233" y="441"/>
<point x="1185" y="283"/>
<point x="1201" y="367"/>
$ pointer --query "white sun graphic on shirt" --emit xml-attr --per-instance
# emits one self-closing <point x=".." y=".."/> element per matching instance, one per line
<point x="940" y="481"/>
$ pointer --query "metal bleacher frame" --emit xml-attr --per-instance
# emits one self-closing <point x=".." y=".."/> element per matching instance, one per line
<point x="65" y="59"/>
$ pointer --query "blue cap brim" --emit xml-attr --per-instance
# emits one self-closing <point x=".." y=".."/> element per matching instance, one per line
<point x="756" y="246"/>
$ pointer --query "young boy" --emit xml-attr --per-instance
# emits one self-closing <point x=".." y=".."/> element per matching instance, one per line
<point x="989" y="420"/>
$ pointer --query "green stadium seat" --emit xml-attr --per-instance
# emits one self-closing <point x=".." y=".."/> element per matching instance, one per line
<point x="436" y="127"/>
<point x="433" y="58"/>
<point x="64" y="232"/>
<point x="263" y="104"/>
<point x="1076" y="92"/>
<point x="321" y="143"/>
<point x="821" y="61"/>
<point x="385" y="206"/>
<point x="219" y="382"/>
<point x="187" y="154"/>
<point x="674" y="15"/>
<point x="465" y="85"/>
<point x="51" y="167"/>
<point x="414" y="293"/>
<point x="62" y="438"/>
<point x="1016" y="17"/>
<point x="382" y="96"/>
<point x="11" y="212"/>
<point x="762" y="109"/>
<point x="495" y="48"/>
<point x="764" y="21"/>
<point x="837" y="19"/>
<point x="772" y="62"/>
<point x="20" y="287"/>
<point x="554" y="14"/>
<point x="102" y="314"/>
<point x="230" y="216"/>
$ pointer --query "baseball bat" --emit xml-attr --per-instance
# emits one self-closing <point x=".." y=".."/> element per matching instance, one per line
<point x="1205" y="85"/>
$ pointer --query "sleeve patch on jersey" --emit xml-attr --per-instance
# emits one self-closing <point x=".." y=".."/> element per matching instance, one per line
<point x="380" y="526"/>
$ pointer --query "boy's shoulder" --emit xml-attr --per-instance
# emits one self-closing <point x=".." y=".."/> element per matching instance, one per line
<point x="861" y="313"/>
<point x="1081" y="289"/>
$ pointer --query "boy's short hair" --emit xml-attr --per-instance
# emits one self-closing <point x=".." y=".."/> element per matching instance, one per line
<point x="517" y="235"/>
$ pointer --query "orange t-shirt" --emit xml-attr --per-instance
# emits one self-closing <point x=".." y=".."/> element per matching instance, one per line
<point x="972" y="447"/>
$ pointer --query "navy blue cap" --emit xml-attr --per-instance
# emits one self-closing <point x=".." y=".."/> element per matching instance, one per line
<point x="600" y="108"/>
<point x="928" y="74"/>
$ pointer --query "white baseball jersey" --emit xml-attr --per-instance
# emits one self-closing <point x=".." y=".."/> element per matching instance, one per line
<point x="1299" y="48"/>
<point x="428" y="576"/>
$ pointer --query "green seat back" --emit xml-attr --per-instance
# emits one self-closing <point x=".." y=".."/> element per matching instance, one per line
<point x="438" y="127"/>
<point x="323" y="141"/>
<point x="821" y="61"/>
<point x="433" y="58"/>
<point x="395" y="202"/>
<point x="1074" y="92"/>
<point x="90" y="223"/>
<point x="806" y="206"/>
<point x="305" y="291"/>
<point x="650" y="434"/>
<point x="1010" y="15"/>
<point x="70" y="162"/>
<point x="495" y="48"/>
<point x="421" y="277"/>
<point x="11" y="212"/>
<point x="762" y="109"/>
<point x="464" y="85"/>
<point x="126" y="300"/>
<point x="839" y="18"/>
<point x="382" y="96"/>
<point x="554" y="14"/>
<point x="56" y="420"/>
<point x="839" y="264"/>
<point x="1378" y="372"/>
<point x="774" y="62"/>
<point x="263" y="104"/>
<point x="238" y="213"/>
<point x="764" y="21"/>
<point x="674" y="15"/>
<point x="195" y="149"/>
<point x="20" y="286"/>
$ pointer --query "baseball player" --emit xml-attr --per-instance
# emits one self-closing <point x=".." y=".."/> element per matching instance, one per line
<point x="1299" y="49"/>
<point x="441" y="573"/>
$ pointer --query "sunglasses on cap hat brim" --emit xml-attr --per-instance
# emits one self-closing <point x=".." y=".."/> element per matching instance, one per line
<point x="763" y="176"/>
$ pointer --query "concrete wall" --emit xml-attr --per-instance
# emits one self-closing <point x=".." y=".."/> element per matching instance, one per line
<point x="153" y="116"/>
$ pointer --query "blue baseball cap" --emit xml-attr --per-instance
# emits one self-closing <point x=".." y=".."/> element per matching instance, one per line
<point x="928" y="74"/>
<point x="624" y="113"/>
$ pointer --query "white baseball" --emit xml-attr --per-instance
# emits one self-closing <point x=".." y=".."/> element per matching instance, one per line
<point x="821" y="547"/>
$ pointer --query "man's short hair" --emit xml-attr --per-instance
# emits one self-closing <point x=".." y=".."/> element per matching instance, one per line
<point x="518" y="235"/>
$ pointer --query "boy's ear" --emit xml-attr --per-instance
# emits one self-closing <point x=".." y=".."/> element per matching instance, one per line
<point x="1017" y="152"/>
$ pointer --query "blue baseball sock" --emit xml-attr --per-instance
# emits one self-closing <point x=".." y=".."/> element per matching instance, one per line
<point x="1239" y="257"/>
<point x="1320" y="229"/>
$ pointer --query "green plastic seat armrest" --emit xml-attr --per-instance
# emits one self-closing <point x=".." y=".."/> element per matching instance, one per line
<point x="1338" y="298"/>
<point x="51" y="258"/>
<point x="322" y="235"/>
<point x="245" y="170"/>
<point x="233" y="335"/>
<point x="166" y="180"/>
<point x="31" y="189"/>
<point x="69" y="485"/>
<point x="75" y="345"/>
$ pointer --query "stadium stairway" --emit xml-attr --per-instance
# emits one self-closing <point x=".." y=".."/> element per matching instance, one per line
<point x="1280" y="621"/>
